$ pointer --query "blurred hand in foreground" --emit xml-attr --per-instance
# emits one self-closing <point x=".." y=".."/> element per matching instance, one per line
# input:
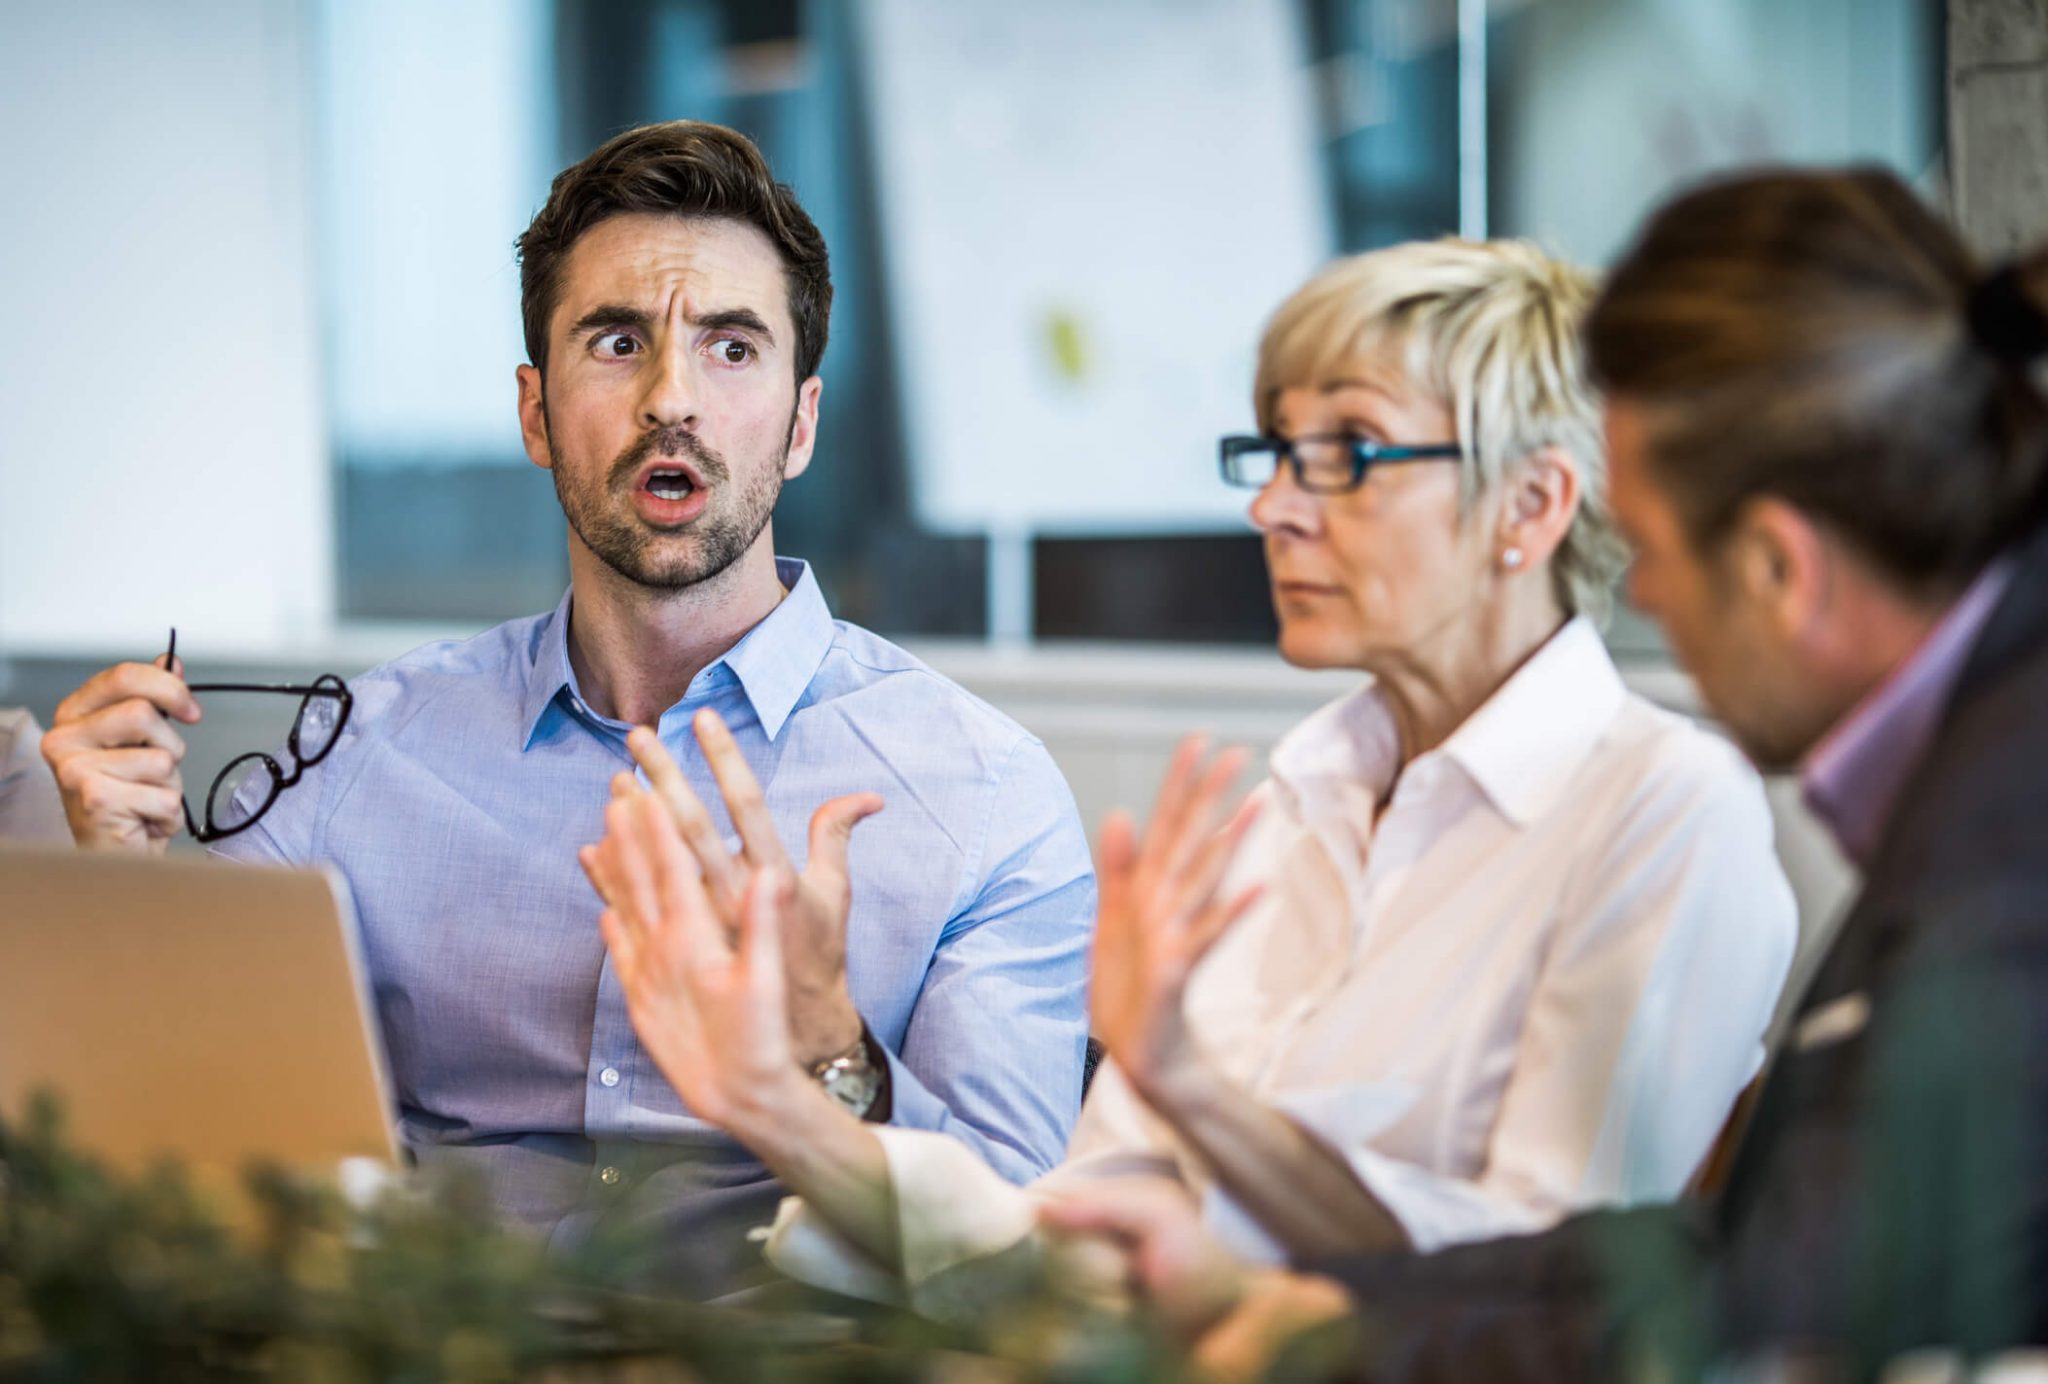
<point x="1161" y="911"/>
<point x="823" y="1021"/>
<point x="1235" y="1320"/>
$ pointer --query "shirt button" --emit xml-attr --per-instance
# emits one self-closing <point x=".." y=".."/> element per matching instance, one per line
<point x="608" y="1176"/>
<point x="609" y="1076"/>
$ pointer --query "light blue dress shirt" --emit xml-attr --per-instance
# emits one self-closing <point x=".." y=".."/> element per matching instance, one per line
<point x="469" y="773"/>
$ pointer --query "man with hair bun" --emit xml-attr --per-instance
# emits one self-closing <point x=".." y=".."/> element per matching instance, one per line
<point x="1830" y="453"/>
<point x="675" y="300"/>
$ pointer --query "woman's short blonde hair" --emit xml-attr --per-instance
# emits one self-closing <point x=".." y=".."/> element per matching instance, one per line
<point x="1491" y="330"/>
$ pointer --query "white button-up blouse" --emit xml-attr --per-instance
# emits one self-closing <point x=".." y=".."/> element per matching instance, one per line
<point x="1536" y="983"/>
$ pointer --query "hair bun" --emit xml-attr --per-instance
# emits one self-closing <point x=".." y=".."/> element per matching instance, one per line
<point x="2005" y="319"/>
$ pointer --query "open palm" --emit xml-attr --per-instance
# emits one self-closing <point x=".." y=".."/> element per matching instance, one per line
<point x="1161" y="912"/>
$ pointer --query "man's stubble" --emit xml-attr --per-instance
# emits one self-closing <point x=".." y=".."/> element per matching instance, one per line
<point x="600" y="511"/>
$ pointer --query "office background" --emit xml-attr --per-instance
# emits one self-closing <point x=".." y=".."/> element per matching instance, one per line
<point x="260" y="302"/>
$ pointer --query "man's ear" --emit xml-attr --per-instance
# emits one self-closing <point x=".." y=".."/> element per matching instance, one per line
<point x="533" y="419"/>
<point x="803" y="428"/>
<point x="1781" y="564"/>
<point x="1541" y="500"/>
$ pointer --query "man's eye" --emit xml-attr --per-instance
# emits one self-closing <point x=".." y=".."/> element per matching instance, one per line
<point x="616" y="344"/>
<point x="733" y="351"/>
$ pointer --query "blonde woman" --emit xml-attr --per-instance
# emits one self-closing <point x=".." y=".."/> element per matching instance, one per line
<point x="1496" y="939"/>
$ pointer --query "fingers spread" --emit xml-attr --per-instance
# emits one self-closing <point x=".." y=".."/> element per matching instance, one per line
<point x="695" y="926"/>
<point x="768" y="894"/>
<point x="620" y="941"/>
<point x="591" y="858"/>
<point x="1171" y="804"/>
<point x="721" y="874"/>
<point x="1213" y="856"/>
<point x="742" y="793"/>
<point x="629" y="870"/>
<point x="1198" y="820"/>
<point x="1116" y="859"/>
<point x="832" y="830"/>
<point x="1208" y="927"/>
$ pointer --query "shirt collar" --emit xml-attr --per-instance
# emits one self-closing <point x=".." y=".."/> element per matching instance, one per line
<point x="1525" y="742"/>
<point x="1852" y="779"/>
<point x="1520" y="747"/>
<point x="773" y="663"/>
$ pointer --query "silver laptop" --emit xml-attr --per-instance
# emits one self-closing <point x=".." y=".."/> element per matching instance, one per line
<point x="187" y="1007"/>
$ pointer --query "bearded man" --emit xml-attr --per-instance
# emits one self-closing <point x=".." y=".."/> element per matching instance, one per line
<point x="675" y="301"/>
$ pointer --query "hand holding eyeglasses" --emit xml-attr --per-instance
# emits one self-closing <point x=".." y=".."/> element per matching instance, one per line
<point x="116" y="755"/>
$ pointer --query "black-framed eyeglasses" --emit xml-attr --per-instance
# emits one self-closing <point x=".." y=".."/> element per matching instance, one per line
<point x="1323" y="464"/>
<point x="323" y="710"/>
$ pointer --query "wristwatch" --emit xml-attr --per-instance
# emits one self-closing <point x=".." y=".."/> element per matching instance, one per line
<point x="858" y="1078"/>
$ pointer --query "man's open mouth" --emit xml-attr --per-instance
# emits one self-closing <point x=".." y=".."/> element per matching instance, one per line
<point x="670" y="485"/>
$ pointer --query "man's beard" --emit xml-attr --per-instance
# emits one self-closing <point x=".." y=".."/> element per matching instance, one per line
<point x="601" y="512"/>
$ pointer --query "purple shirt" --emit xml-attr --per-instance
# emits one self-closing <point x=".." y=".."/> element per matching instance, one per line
<point x="1852" y="779"/>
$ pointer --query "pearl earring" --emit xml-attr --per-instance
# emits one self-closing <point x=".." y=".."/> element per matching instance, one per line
<point x="1511" y="559"/>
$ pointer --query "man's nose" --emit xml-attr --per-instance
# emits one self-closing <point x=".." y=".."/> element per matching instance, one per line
<point x="670" y="398"/>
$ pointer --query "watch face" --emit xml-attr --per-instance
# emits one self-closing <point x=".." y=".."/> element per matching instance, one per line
<point x="853" y="1083"/>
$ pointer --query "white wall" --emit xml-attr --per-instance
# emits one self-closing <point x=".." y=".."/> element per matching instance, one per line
<point x="162" y="453"/>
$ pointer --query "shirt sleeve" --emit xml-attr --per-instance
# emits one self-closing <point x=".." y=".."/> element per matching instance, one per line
<point x="994" y="1048"/>
<point x="31" y="808"/>
<point x="1646" y="1021"/>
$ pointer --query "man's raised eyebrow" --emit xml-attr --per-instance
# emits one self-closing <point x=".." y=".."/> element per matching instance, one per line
<point x="611" y="315"/>
<point x="639" y="319"/>
<point x="741" y="319"/>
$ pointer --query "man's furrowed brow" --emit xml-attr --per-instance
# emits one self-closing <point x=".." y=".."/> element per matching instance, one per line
<point x="736" y="319"/>
<point x="611" y="315"/>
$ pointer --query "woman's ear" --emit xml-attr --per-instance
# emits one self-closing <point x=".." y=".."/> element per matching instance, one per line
<point x="1541" y="500"/>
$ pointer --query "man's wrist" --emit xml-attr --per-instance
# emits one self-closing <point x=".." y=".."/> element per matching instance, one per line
<point x="857" y="1078"/>
<point x="838" y="1027"/>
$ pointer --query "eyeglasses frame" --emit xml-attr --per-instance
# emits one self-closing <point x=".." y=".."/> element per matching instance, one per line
<point x="326" y="685"/>
<point x="1365" y="454"/>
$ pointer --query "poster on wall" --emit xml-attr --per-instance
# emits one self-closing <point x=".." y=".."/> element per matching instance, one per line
<point x="1088" y="211"/>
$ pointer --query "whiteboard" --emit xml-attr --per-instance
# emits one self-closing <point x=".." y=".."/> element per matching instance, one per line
<point x="1088" y="212"/>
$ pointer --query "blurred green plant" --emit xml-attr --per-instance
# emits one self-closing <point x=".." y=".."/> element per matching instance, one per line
<point x="110" y="1277"/>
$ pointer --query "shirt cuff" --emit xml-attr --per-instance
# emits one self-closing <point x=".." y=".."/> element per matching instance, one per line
<point x="913" y="1106"/>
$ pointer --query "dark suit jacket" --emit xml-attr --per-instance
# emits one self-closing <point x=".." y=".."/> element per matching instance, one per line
<point x="1892" y="1190"/>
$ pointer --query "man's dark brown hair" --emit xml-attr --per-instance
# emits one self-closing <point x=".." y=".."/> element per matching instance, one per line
<point x="683" y="168"/>
<point x="1808" y="336"/>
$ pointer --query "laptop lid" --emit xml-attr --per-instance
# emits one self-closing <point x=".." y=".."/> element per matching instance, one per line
<point x="191" y="1007"/>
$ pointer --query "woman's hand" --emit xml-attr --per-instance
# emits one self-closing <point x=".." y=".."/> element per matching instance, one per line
<point x="1160" y="912"/>
<point x="711" y="1008"/>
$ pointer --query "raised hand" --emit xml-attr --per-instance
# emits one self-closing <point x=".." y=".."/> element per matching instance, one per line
<point x="709" y="1005"/>
<point x="1160" y="912"/>
<point x="116" y="757"/>
<point x="822" y="1018"/>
